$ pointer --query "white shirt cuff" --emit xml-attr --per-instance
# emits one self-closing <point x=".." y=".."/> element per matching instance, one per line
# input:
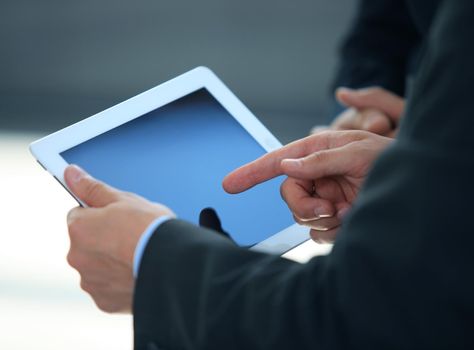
<point x="143" y="241"/>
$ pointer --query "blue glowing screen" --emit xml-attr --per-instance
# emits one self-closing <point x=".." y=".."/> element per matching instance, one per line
<point x="178" y="155"/>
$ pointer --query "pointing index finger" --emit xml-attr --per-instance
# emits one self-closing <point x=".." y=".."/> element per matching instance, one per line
<point x="269" y="166"/>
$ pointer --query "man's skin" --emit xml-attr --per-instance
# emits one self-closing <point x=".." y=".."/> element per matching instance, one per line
<point x="372" y="109"/>
<point x="325" y="172"/>
<point x="330" y="165"/>
<point x="104" y="236"/>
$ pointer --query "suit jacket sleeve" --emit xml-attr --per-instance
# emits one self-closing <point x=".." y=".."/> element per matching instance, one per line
<point x="379" y="49"/>
<point x="400" y="273"/>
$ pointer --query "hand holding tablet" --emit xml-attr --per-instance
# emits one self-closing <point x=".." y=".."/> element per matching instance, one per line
<point x="174" y="144"/>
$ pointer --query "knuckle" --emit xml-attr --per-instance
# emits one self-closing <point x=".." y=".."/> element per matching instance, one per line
<point x="303" y="219"/>
<point x="85" y="286"/>
<point x="282" y="193"/>
<point x="326" y="134"/>
<point x="105" y="305"/>
<point x="72" y="259"/>
<point x="314" y="236"/>
<point x="71" y="221"/>
<point x="300" y="214"/>
<point x="353" y="136"/>
<point x="316" y="157"/>
<point x="293" y="202"/>
<point x="298" y="220"/>
<point x="284" y="189"/>
<point x="74" y="227"/>
<point x="71" y="215"/>
<point x="359" y="135"/>
<point x="130" y="195"/>
<point x="77" y="261"/>
<point x="321" y="136"/>
<point x="374" y="90"/>
<point x="93" y="190"/>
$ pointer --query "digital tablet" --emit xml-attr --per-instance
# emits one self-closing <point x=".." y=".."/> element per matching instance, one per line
<point x="174" y="144"/>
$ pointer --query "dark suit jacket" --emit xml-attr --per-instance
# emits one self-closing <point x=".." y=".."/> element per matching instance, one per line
<point x="383" y="45"/>
<point x="401" y="273"/>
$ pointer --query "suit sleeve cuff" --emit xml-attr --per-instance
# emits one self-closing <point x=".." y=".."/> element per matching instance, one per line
<point x="143" y="241"/>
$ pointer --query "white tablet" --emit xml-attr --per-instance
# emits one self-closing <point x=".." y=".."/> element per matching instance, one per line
<point x="174" y="144"/>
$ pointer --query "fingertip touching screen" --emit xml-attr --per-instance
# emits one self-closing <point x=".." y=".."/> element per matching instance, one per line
<point x="178" y="155"/>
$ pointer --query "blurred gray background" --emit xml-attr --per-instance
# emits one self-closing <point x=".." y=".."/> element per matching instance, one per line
<point x="62" y="61"/>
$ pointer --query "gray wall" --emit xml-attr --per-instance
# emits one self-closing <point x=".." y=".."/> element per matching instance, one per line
<point x="64" y="60"/>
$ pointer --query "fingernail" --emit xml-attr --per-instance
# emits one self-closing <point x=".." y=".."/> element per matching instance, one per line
<point x="372" y="119"/>
<point x="292" y="163"/>
<point x="320" y="213"/>
<point x="345" y="89"/>
<point x="368" y="123"/>
<point x="318" y="129"/>
<point x="320" y="228"/>
<point x="76" y="173"/>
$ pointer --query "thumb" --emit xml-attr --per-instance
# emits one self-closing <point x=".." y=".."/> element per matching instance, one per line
<point x="89" y="190"/>
<point x="318" y="165"/>
<point x="373" y="97"/>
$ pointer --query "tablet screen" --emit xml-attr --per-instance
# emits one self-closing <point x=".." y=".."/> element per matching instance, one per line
<point x="178" y="155"/>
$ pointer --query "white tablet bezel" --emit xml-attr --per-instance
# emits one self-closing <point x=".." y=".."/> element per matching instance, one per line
<point x="48" y="149"/>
